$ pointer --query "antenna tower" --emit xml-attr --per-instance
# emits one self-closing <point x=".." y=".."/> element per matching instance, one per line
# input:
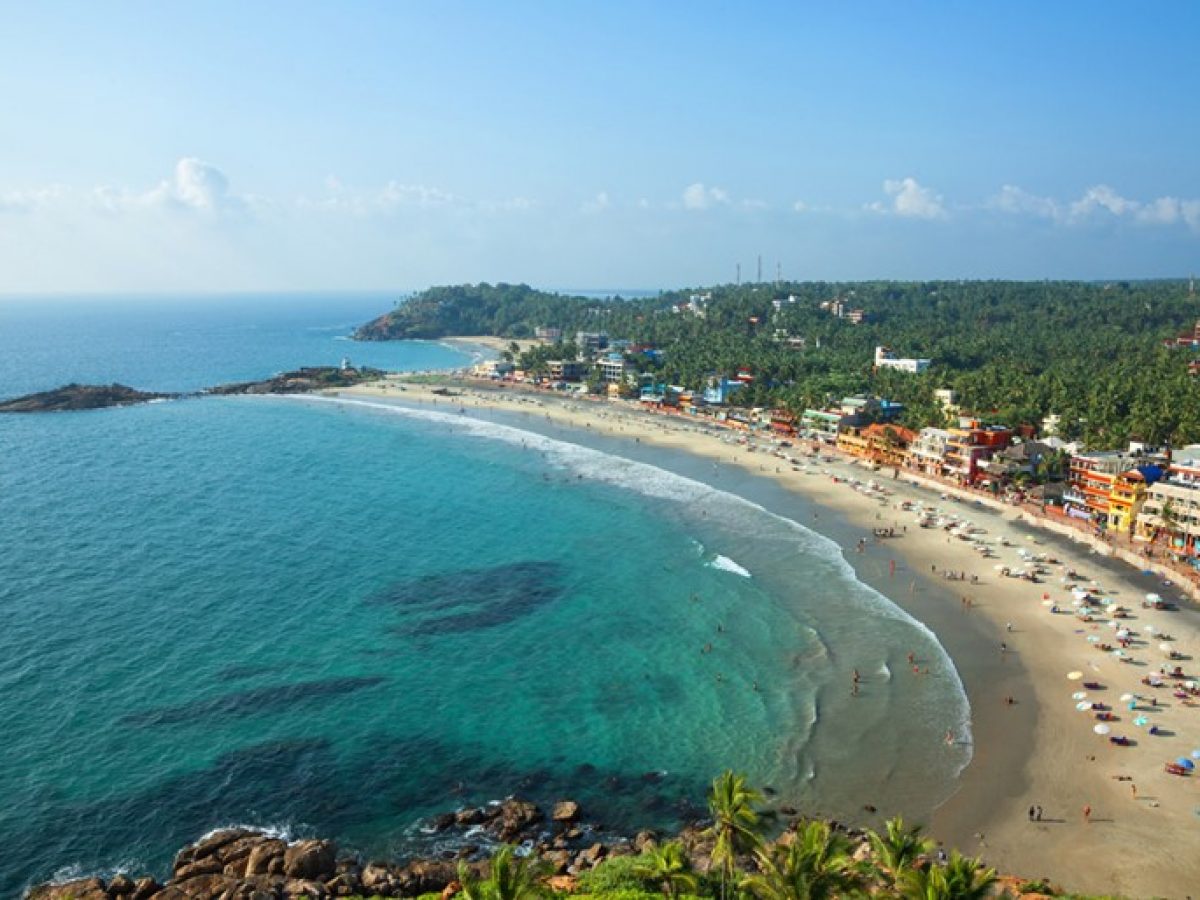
<point x="759" y="278"/>
<point x="739" y="274"/>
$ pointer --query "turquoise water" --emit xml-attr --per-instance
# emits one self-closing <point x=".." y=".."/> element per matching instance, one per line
<point x="336" y="618"/>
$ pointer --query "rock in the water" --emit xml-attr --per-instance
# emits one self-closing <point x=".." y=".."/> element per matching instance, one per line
<point x="470" y="816"/>
<point x="80" y="396"/>
<point x="644" y="840"/>
<point x="565" y="811"/>
<point x="309" y="859"/>
<point x="515" y="815"/>
<point x="210" y="865"/>
<point x="144" y="888"/>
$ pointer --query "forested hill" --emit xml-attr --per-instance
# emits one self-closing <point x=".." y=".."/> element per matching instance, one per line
<point x="1015" y="351"/>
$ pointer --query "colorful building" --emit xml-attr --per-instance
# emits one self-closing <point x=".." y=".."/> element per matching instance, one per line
<point x="970" y="444"/>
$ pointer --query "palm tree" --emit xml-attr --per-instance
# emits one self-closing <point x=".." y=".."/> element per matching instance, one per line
<point x="735" y="823"/>
<point x="816" y="864"/>
<point x="509" y="878"/>
<point x="897" y="849"/>
<point x="961" y="878"/>
<point x="669" y="866"/>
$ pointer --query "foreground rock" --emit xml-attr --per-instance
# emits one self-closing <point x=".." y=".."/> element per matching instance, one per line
<point x="311" y="378"/>
<point x="80" y="396"/>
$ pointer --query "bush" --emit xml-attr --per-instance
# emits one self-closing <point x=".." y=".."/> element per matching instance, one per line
<point x="616" y="875"/>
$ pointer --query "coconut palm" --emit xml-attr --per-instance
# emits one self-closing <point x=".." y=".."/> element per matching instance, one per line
<point x="897" y="848"/>
<point x="509" y="878"/>
<point x="961" y="878"/>
<point x="816" y="864"/>
<point x="668" y="865"/>
<point x="736" y="824"/>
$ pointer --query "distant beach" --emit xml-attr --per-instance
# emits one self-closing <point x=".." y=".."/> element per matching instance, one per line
<point x="1036" y="755"/>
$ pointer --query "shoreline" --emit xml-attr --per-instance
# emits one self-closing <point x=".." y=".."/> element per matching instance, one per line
<point x="1038" y="750"/>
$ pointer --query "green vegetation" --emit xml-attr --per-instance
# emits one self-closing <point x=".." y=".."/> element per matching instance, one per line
<point x="1013" y="351"/>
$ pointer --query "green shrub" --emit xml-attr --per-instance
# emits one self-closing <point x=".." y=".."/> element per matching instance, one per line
<point x="616" y="875"/>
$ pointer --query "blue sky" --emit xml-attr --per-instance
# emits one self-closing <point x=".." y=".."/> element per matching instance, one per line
<point x="278" y="146"/>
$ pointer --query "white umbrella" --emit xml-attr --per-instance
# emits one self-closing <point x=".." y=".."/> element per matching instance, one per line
<point x="1092" y="639"/>
<point x="1166" y="647"/>
<point x="1101" y="728"/>
<point x="1153" y="598"/>
<point x="1074" y="676"/>
<point x="998" y="566"/>
<point x="1047" y="603"/>
<point x="1083" y="705"/>
<point x="1125" y="698"/>
<point x="1149" y="629"/>
<point x="1118" y="652"/>
<point x="1122" y="632"/>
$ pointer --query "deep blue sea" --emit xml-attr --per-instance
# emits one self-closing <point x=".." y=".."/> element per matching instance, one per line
<point x="337" y="618"/>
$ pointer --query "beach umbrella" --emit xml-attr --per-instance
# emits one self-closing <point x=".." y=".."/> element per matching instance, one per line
<point x="1082" y="705"/>
<point x="1125" y="698"/>
<point x="1140" y="721"/>
<point x="998" y="566"/>
<point x="1149" y="629"/>
<point x="1196" y="754"/>
<point x="1122" y="632"/>
<point x="1118" y="652"/>
<point x="1079" y="695"/>
<point x="1074" y="676"/>
<point x="1190" y="685"/>
<point x="1166" y="646"/>
<point x="1101" y="728"/>
<point x="1186" y="763"/>
<point x="1153" y="598"/>
<point x="1047" y="603"/>
<point x="1092" y="639"/>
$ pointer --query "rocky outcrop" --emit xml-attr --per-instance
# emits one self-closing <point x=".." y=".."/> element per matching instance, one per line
<point x="313" y="378"/>
<point x="79" y="397"/>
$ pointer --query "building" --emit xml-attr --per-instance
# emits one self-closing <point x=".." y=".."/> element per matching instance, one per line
<point x="1128" y="496"/>
<point x="969" y="445"/>
<point x="853" y="440"/>
<point x="886" y="359"/>
<point x="718" y="390"/>
<point x="1091" y="481"/>
<point x="591" y="342"/>
<point x="564" y="369"/>
<point x="947" y="400"/>
<point x="928" y="450"/>
<point x="783" y="422"/>
<point x="821" y="424"/>
<point x="494" y="368"/>
<point x="614" y="368"/>
<point x="852" y="412"/>
<point x="548" y="335"/>
<point x="887" y="444"/>
<point x="1170" y="513"/>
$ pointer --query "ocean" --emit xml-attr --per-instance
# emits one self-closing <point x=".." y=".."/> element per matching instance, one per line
<point x="339" y="618"/>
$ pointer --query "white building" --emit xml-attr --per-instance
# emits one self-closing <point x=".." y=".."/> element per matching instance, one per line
<point x="886" y="359"/>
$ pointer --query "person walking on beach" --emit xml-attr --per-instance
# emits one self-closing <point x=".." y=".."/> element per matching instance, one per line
<point x="1087" y="814"/>
<point x="1037" y="815"/>
<point x="1032" y="812"/>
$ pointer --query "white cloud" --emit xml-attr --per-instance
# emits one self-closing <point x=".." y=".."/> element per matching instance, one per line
<point x="1098" y="201"/>
<point x="910" y="200"/>
<point x="1101" y="196"/>
<point x="697" y="196"/>
<point x="800" y="206"/>
<point x="597" y="204"/>
<point x="1012" y="199"/>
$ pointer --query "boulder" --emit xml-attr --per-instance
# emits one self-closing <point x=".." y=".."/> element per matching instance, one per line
<point x="303" y="887"/>
<point x="558" y="861"/>
<point x="565" y="811"/>
<point x="207" y="846"/>
<point x="80" y="889"/>
<point x="377" y="878"/>
<point x="199" y="887"/>
<point x="144" y="888"/>
<point x="562" y="884"/>
<point x="470" y="816"/>
<point x="344" y="885"/>
<point x="514" y="817"/>
<point x="210" y="865"/>
<point x="309" y="859"/>
<point x="259" y="860"/>
<point x="121" y="885"/>
<point x="589" y="857"/>
<point x="444" y="821"/>
<point x="644" y="840"/>
<point x="423" y="876"/>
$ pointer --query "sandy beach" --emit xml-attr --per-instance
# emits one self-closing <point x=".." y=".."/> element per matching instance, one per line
<point x="1112" y="820"/>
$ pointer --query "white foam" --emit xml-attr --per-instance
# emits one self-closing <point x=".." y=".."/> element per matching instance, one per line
<point x="725" y="564"/>
<point x="651" y="481"/>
